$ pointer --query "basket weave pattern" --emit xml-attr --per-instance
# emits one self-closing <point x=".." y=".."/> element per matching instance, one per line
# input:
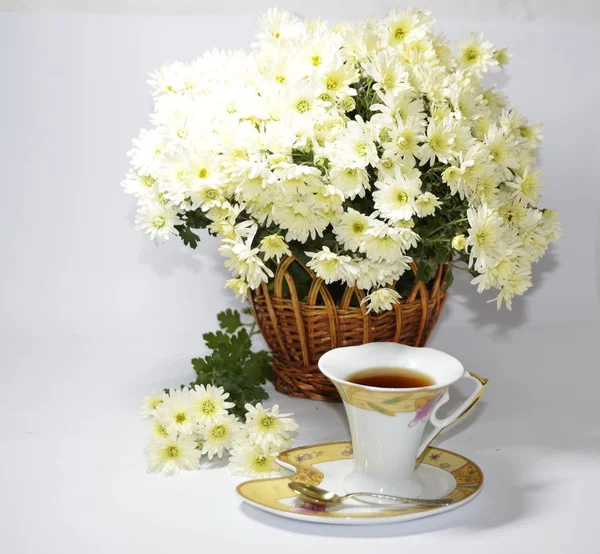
<point x="299" y="333"/>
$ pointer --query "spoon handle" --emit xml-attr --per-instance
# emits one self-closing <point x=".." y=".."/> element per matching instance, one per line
<point x="422" y="501"/>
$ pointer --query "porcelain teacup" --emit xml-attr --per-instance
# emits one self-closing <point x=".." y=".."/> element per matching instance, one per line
<point x="387" y="424"/>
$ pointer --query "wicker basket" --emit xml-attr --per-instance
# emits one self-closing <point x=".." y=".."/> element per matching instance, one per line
<point x="299" y="333"/>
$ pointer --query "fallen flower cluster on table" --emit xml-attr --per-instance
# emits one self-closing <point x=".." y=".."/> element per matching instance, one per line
<point x="190" y="424"/>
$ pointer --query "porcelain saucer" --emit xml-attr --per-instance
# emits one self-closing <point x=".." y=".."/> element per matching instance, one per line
<point x="444" y="473"/>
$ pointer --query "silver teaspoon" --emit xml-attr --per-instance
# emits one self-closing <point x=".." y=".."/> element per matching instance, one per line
<point x="323" y="497"/>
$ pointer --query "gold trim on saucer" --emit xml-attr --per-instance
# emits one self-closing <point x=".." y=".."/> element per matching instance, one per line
<point x="270" y="492"/>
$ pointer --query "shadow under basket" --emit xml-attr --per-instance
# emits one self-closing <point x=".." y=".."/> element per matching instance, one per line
<point x="300" y="332"/>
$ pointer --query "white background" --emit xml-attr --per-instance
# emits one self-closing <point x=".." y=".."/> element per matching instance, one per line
<point x="93" y="316"/>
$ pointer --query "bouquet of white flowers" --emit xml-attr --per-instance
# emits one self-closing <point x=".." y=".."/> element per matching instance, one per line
<point x="355" y="148"/>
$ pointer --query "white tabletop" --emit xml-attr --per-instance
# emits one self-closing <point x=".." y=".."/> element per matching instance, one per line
<point x="93" y="318"/>
<point x="73" y="477"/>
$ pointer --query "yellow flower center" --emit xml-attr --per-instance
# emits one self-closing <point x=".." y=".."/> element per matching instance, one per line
<point x="260" y="460"/>
<point x="182" y="174"/>
<point x="208" y="407"/>
<point x="406" y="140"/>
<point x="358" y="227"/>
<point x="347" y="104"/>
<point x="182" y="133"/>
<point x="218" y="432"/>
<point x="231" y="107"/>
<point x="316" y="60"/>
<point x="203" y="173"/>
<point x="400" y="30"/>
<point x="435" y="142"/>
<point x="332" y="83"/>
<point x="210" y="194"/>
<point x="482" y="237"/>
<point x="387" y="81"/>
<point x="361" y="148"/>
<point x="384" y="135"/>
<point x="180" y="417"/>
<point x="303" y="106"/>
<point x="148" y="181"/>
<point x="155" y="402"/>
<point x="402" y="197"/>
<point x="172" y="451"/>
<point x="268" y="421"/>
<point x="280" y="78"/>
<point x="158" y="222"/>
<point x="160" y="430"/>
<point x="471" y="54"/>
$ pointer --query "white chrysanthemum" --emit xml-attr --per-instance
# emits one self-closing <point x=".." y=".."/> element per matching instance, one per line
<point x="331" y="267"/>
<point x="387" y="73"/>
<point x="219" y="436"/>
<point x="243" y="261"/>
<point x="459" y="243"/>
<point x="475" y="54"/>
<point x="158" y="428"/>
<point x="407" y="26"/>
<point x="273" y="246"/>
<point x="287" y="141"/>
<point x="425" y="204"/>
<point x="252" y="461"/>
<point x="176" y="412"/>
<point x="350" y="229"/>
<point x="502" y="56"/>
<point x="486" y="237"/>
<point x="277" y="26"/>
<point x="405" y="138"/>
<point x="238" y="286"/>
<point x="525" y="188"/>
<point x="380" y="300"/>
<point x="356" y="147"/>
<point x="301" y="218"/>
<point x="268" y="428"/>
<point x="209" y="403"/>
<point x="439" y="140"/>
<point x="153" y="401"/>
<point x="147" y="152"/>
<point x="395" y="198"/>
<point x="516" y="284"/>
<point x="383" y="243"/>
<point x="157" y="220"/>
<point x="501" y="148"/>
<point x="140" y="186"/>
<point x="351" y="181"/>
<point x="169" y="455"/>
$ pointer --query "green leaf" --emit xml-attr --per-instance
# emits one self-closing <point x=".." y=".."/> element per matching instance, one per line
<point x="449" y="280"/>
<point x="425" y="272"/>
<point x="229" y="320"/>
<point x="441" y="253"/>
<point x="232" y="364"/>
<point x="188" y="236"/>
<point x="216" y="340"/>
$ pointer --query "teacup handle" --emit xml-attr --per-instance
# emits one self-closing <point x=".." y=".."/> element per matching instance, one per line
<point x="440" y="424"/>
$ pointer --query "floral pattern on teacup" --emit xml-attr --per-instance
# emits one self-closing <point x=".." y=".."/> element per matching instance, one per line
<point x="423" y="411"/>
